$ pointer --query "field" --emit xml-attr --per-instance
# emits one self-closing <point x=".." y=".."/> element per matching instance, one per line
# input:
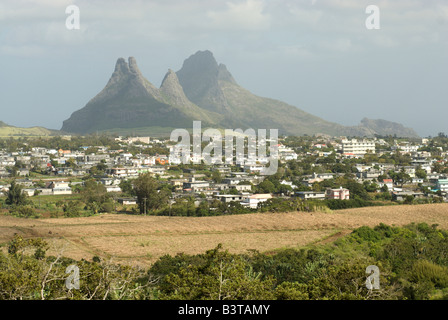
<point x="143" y="239"/>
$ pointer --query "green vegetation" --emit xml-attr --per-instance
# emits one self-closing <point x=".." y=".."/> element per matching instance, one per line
<point x="11" y="131"/>
<point x="413" y="264"/>
<point x="412" y="261"/>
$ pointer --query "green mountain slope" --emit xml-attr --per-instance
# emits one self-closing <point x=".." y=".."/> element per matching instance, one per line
<point x="131" y="101"/>
<point x="7" y="130"/>
<point x="211" y="86"/>
<point x="201" y="90"/>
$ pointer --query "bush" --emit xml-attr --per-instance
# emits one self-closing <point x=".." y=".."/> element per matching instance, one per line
<point x="366" y="234"/>
<point x="24" y="212"/>
<point x="108" y="206"/>
<point x="426" y="271"/>
<point x="71" y="209"/>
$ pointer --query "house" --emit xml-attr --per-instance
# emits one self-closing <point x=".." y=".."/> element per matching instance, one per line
<point x="64" y="171"/>
<point x="60" y="187"/>
<point x="127" y="201"/>
<point x="196" y="186"/>
<point x="113" y="188"/>
<point x="29" y="191"/>
<point x="442" y="185"/>
<point x="358" y="147"/>
<point x="402" y="195"/>
<point x="62" y="152"/>
<point x="253" y="200"/>
<point x="226" y="198"/>
<point x="233" y="180"/>
<point x="254" y="168"/>
<point x="242" y="187"/>
<point x="369" y="174"/>
<point x="308" y="195"/>
<point x="418" y="180"/>
<point x="317" y="177"/>
<point x="341" y="193"/>
<point x="23" y="172"/>
<point x="117" y="172"/>
<point x="24" y="182"/>
<point x="178" y="183"/>
<point x="288" y="183"/>
<point x="387" y="182"/>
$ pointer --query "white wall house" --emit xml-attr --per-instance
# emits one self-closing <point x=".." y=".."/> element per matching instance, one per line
<point x="253" y="200"/>
<point x="358" y="147"/>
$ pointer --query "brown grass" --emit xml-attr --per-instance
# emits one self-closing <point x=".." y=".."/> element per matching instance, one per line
<point x="143" y="239"/>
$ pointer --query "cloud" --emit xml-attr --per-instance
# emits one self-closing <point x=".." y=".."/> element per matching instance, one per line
<point x="330" y="25"/>
<point x="22" y="50"/>
<point x="248" y="15"/>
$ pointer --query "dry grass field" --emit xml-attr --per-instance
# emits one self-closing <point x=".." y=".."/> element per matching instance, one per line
<point x="143" y="239"/>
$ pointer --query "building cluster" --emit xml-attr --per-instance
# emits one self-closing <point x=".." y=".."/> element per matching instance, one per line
<point x="56" y="171"/>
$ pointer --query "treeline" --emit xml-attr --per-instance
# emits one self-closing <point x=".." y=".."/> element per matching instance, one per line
<point x="412" y="260"/>
<point x="412" y="263"/>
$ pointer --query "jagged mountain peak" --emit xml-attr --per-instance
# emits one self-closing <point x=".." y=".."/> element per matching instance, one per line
<point x="172" y="89"/>
<point x="129" y="100"/>
<point x="201" y="90"/>
<point x="224" y="74"/>
<point x="133" y="66"/>
<point x="199" y="77"/>
<point x="170" y="76"/>
<point x="121" y="66"/>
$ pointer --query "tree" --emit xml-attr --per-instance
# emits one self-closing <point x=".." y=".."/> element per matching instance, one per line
<point x="95" y="196"/>
<point x="25" y="275"/>
<point x="420" y="173"/>
<point x="149" y="197"/>
<point x="15" y="195"/>
<point x="403" y="177"/>
<point x="219" y="275"/>
<point x="266" y="186"/>
<point x="127" y="188"/>
<point x="216" y="176"/>
<point x="71" y="209"/>
<point x="203" y="209"/>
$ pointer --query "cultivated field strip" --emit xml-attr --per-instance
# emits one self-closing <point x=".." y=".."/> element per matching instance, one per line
<point x="143" y="239"/>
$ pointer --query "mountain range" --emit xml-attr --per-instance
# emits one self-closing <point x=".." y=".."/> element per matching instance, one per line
<point x="201" y="90"/>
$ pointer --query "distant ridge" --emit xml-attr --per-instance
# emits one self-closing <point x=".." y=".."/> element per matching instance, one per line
<point x="202" y="90"/>
<point x="7" y="130"/>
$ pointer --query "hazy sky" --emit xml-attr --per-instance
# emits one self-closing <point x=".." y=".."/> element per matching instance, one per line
<point x="317" y="55"/>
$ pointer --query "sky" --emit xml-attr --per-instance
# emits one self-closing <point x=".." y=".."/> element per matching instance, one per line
<point x="322" y="56"/>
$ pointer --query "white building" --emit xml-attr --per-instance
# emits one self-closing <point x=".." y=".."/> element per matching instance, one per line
<point x="60" y="187"/>
<point x="306" y="195"/>
<point x="253" y="200"/>
<point x="358" y="147"/>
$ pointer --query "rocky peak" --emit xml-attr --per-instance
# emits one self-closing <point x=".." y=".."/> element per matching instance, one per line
<point x="224" y="74"/>
<point x="133" y="66"/>
<point x="121" y="66"/>
<point x="172" y="89"/>
<point x="170" y="77"/>
<point x="199" y="78"/>
<point x="201" y="60"/>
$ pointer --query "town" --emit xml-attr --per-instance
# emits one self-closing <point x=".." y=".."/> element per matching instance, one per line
<point x="338" y="172"/>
